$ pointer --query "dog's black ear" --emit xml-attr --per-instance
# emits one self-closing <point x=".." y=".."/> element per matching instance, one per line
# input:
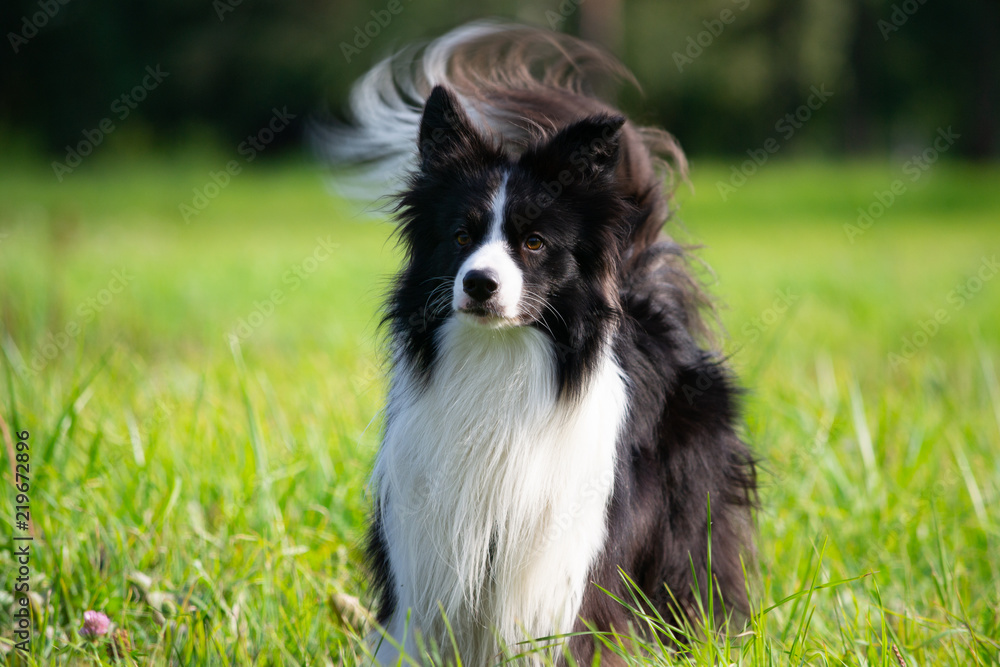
<point x="582" y="152"/>
<point x="445" y="129"/>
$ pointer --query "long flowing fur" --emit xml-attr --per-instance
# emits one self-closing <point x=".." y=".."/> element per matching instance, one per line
<point x="518" y="84"/>
<point x="523" y="467"/>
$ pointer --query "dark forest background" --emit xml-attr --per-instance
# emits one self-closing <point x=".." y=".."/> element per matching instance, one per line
<point x="898" y="70"/>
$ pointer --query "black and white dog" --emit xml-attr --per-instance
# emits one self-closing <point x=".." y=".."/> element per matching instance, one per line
<point x="553" y="413"/>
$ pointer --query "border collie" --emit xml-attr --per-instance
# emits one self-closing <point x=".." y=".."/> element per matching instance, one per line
<point x="555" y="416"/>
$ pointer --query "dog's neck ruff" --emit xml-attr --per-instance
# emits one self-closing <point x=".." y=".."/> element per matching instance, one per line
<point x="493" y="490"/>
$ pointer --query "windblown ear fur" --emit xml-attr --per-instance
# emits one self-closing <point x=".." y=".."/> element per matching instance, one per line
<point x="445" y="129"/>
<point x="583" y="152"/>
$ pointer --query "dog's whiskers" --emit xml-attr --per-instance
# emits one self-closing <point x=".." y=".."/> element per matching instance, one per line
<point x="439" y="293"/>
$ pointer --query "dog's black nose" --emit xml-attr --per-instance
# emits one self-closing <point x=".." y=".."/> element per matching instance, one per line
<point x="480" y="285"/>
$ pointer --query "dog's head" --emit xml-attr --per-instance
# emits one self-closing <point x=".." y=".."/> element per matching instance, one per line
<point x="501" y="241"/>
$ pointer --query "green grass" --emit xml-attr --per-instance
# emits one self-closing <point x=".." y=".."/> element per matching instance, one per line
<point x="210" y="498"/>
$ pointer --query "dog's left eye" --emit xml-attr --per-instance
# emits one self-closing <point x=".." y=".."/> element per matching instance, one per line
<point x="534" y="242"/>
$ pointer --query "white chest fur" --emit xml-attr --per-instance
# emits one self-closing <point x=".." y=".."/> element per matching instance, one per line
<point x="494" y="492"/>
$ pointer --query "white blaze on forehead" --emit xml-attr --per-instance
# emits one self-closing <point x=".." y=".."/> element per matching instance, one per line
<point x="497" y="207"/>
<point x="494" y="255"/>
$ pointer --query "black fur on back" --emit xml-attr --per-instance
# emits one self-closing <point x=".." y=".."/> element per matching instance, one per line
<point x="680" y="448"/>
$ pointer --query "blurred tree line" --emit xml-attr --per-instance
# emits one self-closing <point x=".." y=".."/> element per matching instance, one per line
<point x="722" y="75"/>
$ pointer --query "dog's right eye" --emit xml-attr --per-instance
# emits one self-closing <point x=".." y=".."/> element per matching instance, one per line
<point x="462" y="238"/>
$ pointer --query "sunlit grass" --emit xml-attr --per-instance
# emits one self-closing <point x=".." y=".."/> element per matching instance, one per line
<point x="210" y="497"/>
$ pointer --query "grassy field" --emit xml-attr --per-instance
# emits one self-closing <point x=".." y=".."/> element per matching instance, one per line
<point x="209" y="497"/>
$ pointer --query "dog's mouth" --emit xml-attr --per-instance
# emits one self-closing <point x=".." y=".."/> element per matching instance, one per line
<point x="486" y="316"/>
